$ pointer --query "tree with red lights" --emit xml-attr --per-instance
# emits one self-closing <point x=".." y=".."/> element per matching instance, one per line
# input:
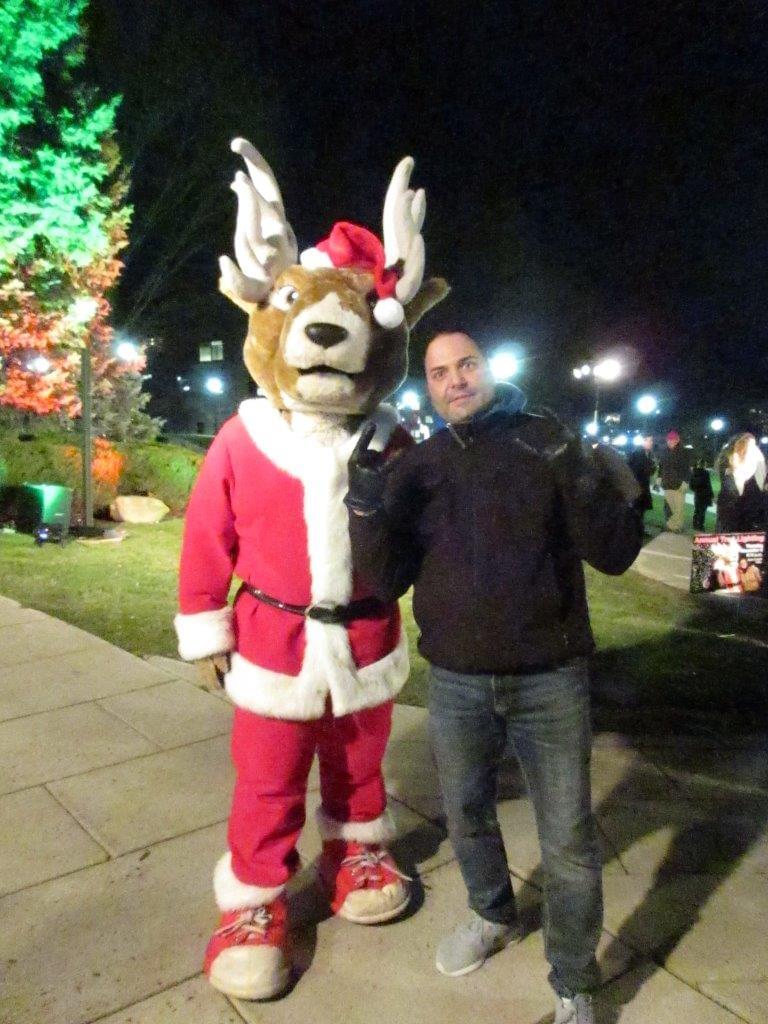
<point x="63" y="217"/>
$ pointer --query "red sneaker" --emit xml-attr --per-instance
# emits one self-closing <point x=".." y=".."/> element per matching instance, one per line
<point x="246" y="957"/>
<point x="363" y="882"/>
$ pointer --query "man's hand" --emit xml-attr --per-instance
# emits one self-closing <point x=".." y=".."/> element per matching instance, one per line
<point x="211" y="671"/>
<point x="367" y="475"/>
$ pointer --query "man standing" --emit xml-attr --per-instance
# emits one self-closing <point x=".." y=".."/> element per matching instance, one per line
<point x="643" y="465"/>
<point x="489" y="520"/>
<point x="674" y="469"/>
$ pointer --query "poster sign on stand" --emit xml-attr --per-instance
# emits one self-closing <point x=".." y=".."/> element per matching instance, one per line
<point x="728" y="563"/>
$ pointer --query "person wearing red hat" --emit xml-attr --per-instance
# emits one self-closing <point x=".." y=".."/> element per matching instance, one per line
<point x="675" y="471"/>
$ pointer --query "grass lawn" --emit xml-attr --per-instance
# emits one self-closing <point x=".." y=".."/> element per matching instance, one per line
<point x="665" y="661"/>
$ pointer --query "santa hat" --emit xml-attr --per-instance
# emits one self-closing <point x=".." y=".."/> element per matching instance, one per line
<point x="350" y="245"/>
<point x="673" y="436"/>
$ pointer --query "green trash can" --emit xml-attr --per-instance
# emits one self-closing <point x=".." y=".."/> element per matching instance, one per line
<point x="44" y="505"/>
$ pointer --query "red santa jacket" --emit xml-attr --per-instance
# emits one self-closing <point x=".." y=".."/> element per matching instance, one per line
<point x="267" y="507"/>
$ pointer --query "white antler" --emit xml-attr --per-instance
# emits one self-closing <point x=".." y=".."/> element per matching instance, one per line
<point x="264" y="240"/>
<point x="404" y="212"/>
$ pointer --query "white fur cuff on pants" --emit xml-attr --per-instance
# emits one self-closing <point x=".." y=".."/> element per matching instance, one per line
<point x="232" y="894"/>
<point x="380" y="830"/>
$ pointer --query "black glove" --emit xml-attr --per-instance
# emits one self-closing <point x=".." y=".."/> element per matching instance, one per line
<point x="367" y="475"/>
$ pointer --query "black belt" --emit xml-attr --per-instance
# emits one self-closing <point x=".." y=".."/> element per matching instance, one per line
<point x="331" y="614"/>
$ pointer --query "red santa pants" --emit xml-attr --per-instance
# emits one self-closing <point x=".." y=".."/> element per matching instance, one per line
<point x="272" y="759"/>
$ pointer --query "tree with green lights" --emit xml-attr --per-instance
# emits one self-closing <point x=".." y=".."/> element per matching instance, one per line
<point x="63" y="217"/>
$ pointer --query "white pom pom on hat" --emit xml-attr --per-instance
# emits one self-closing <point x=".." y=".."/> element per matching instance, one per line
<point x="388" y="313"/>
<point x="315" y="259"/>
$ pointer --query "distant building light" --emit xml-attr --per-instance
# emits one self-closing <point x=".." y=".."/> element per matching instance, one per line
<point x="620" y="440"/>
<point x="637" y="440"/>
<point x="606" y="439"/>
<point x="185" y="387"/>
<point x="764" y="440"/>
<point x="213" y="352"/>
<point x="410" y="400"/>
<point x="586" y="370"/>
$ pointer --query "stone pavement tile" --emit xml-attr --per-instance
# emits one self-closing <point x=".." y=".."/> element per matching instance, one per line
<point x="192" y="1002"/>
<point x="12" y="613"/>
<point x="42" y="684"/>
<point x="39" y="840"/>
<point x="359" y="975"/>
<point x="747" y="999"/>
<point x="44" y="638"/>
<point x="624" y="775"/>
<point x="173" y="667"/>
<point x="146" y="800"/>
<point x="64" y="742"/>
<point x="743" y="768"/>
<point x="681" y="838"/>
<point x="702" y="927"/>
<point x="649" y="995"/>
<point x="80" y="947"/>
<point x="172" y="713"/>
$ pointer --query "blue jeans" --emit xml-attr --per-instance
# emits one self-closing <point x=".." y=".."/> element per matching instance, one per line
<point x="544" y="718"/>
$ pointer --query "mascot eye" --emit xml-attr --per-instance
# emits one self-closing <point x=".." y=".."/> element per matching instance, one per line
<point x="284" y="297"/>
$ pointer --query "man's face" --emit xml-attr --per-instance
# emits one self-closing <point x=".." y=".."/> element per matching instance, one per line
<point x="672" y="442"/>
<point x="459" y="379"/>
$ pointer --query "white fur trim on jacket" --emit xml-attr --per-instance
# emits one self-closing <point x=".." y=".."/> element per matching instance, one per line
<point x="232" y="894"/>
<point x="380" y="830"/>
<point x="205" y="633"/>
<point x="327" y="668"/>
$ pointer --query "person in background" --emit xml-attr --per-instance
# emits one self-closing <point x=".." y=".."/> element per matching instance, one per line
<point x="674" y="470"/>
<point x="703" y="495"/>
<point x="489" y="520"/>
<point x="741" y="503"/>
<point x="643" y="465"/>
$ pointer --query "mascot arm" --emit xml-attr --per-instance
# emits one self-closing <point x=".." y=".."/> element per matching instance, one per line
<point x="209" y="550"/>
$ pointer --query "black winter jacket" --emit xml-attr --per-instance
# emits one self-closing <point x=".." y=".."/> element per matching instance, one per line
<point x="489" y="521"/>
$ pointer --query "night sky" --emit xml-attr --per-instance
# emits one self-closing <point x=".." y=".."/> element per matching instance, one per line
<point x="596" y="174"/>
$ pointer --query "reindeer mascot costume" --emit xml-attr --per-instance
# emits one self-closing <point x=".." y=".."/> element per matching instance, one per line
<point x="312" y="660"/>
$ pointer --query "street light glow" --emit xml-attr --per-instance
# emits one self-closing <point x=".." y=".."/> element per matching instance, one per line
<point x="578" y="374"/>
<point x="608" y="370"/>
<point x="127" y="351"/>
<point x="717" y="424"/>
<point x="504" y="365"/>
<point x="40" y="364"/>
<point x="620" y="440"/>
<point x="83" y="309"/>
<point x="214" y="385"/>
<point x="591" y="428"/>
<point x="646" y="405"/>
<point x="410" y="400"/>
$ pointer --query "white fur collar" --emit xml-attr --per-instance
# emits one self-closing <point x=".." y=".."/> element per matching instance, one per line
<point x="292" y="450"/>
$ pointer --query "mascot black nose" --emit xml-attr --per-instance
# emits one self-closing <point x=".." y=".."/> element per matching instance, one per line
<point x="325" y="334"/>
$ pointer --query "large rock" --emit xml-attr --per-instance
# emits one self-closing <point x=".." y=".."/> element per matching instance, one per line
<point x="136" y="508"/>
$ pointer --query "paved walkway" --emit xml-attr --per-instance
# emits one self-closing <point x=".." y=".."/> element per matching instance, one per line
<point x="115" y="780"/>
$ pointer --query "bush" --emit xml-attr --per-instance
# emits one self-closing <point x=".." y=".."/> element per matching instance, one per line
<point x="163" y="470"/>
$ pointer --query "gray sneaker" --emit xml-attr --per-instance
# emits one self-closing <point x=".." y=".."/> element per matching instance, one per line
<point x="469" y="946"/>
<point x="578" y="1010"/>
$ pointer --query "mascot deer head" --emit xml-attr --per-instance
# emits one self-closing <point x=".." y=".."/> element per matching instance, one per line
<point x="327" y="334"/>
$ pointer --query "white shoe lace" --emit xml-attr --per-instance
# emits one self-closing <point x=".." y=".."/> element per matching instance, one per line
<point x="252" y="921"/>
<point x="368" y="863"/>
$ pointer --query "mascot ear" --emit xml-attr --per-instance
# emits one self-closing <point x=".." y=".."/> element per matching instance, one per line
<point x="431" y="292"/>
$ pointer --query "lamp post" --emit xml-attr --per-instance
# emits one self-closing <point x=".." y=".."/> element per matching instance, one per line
<point x="81" y="312"/>
<point x="607" y="371"/>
